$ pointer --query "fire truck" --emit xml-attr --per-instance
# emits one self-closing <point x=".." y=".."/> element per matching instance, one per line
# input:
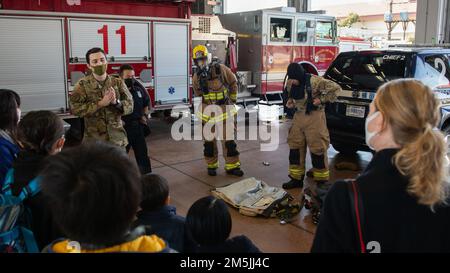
<point x="353" y="44"/>
<point x="43" y="45"/>
<point x="268" y="40"/>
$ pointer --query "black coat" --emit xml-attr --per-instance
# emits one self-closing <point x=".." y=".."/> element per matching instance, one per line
<point x="393" y="218"/>
<point x="26" y="167"/>
<point x="141" y="100"/>
<point x="238" y="244"/>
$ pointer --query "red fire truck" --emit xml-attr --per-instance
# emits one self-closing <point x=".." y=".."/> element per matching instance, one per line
<point x="353" y="44"/>
<point x="43" y="45"/>
<point x="268" y="40"/>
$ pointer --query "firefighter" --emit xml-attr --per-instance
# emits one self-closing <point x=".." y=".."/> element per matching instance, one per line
<point x="217" y="86"/>
<point x="308" y="93"/>
<point x="101" y="100"/>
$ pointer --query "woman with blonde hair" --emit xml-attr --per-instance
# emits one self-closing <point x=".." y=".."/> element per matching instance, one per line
<point x="398" y="204"/>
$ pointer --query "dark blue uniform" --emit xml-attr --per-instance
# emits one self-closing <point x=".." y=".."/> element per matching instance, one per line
<point x="134" y="127"/>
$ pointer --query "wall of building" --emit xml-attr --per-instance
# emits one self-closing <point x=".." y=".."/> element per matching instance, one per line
<point x="233" y="6"/>
<point x="433" y="24"/>
<point x="378" y="28"/>
<point x="447" y="25"/>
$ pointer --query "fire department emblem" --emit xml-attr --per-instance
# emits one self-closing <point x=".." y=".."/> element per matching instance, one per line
<point x="74" y="2"/>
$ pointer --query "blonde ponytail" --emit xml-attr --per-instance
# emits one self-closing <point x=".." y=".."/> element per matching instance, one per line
<point x="423" y="161"/>
<point x="412" y="111"/>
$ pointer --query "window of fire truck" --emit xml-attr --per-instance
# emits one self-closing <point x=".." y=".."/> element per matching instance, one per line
<point x="302" y="31"/>
<point x="324" y="32"/>
<point x="280" y="30"/>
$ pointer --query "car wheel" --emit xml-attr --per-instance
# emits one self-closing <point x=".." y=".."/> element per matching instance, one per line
<point x="446" y="131"/>
<point x="344" y="148"/>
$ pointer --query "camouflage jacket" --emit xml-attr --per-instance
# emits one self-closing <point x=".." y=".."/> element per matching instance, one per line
<point x="325" y="90"/>
<point x="101" y="123"/>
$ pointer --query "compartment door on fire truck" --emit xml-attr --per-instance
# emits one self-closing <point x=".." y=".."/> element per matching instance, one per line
<point x="171" y="61"/>
<point x="326" y="46"/>
<point x="278" y="51"/>
<point x="123" y="41"/>
<point x="33" y="62"/>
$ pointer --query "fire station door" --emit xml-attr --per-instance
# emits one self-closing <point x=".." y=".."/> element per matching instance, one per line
<point x="32" y="62"/>
<point x="171" y="63"/>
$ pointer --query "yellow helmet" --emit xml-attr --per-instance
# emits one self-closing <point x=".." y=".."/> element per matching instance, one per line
<point x="200" y="52"/>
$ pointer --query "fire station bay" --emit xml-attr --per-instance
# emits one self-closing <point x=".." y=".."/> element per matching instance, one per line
<point x="224" y="126"/>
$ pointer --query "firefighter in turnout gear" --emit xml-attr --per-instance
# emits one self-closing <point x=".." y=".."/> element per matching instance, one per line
<point x="308" y="93"/>
<point x="217" y="86"/>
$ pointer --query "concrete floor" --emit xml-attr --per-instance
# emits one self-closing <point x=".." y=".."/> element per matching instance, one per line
<point x="182" y="164"/>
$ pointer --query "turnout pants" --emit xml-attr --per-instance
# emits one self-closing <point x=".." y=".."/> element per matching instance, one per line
<point x="309" y="131"/>
<point x="229" y="147"/>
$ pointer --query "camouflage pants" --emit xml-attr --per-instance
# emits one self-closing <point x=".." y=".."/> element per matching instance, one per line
<point x="309" y="131"/>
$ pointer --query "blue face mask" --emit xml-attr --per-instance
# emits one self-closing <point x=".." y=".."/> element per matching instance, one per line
<point x="370" y="135"/>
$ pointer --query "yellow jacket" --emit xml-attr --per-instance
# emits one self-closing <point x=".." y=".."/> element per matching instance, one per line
<point x="221" y="88"/>
<point x="142" y="244"/>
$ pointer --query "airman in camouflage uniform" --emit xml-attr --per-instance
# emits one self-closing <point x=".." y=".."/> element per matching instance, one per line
<point x="102" y="123"/>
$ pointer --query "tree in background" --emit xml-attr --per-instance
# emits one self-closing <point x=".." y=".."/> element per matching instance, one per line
<point x="351" y="19"/>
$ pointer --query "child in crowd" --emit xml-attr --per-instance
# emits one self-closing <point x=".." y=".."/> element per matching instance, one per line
<point x="9" y="117"/>
<point x="40" y="134"/>
<point x="208" y="223"/>
<point x="95" y="193"/>
<point x="156" y="212"/>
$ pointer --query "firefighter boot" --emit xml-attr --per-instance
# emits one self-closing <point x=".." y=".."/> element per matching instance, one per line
<point x="294" y="183"/>
<point x="212" y="172"/>
<point x="313" y="203"/>
<point x="323" y="184"/>
<point x="236" y="172"/>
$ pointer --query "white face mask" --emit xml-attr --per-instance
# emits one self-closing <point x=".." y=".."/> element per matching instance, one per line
<point x="19" y="114"/>
<point x="370" y="135"/>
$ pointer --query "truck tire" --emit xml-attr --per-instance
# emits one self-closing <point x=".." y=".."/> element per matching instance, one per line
<point x="344" y="148"/>
<point x="446" y="130"/>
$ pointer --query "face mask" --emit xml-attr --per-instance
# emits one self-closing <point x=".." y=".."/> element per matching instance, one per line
<point x="130" y="82"/>
<point x="370" y="135"/>
<point x="202" y="63"/>
<point x="99" y="70"/>
<point x="19" y="114"/>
